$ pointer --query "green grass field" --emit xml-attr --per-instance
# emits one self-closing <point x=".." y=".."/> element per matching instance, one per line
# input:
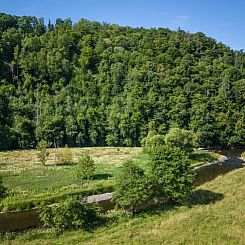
<point x="216" y="216"/>
<point x="30" y="183"/>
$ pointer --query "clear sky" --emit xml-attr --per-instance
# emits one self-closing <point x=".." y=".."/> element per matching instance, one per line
<point x="223" y="20"/>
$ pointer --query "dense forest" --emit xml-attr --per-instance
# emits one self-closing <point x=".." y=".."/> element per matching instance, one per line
<point x="100" y="84"/>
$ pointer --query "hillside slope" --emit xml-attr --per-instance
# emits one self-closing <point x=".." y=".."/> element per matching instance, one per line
<point x="93" y="84"/>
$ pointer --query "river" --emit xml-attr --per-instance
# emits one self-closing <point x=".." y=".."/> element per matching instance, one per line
<point x="19" y="220"/>
<point x="207" y="173"/>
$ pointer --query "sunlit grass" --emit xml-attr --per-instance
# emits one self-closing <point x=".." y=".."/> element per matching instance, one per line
<point x="220" y="221"/>
<point x="28" y="180"/>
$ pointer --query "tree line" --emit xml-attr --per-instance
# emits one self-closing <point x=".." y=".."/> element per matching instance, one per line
<point x="100" y="84"/>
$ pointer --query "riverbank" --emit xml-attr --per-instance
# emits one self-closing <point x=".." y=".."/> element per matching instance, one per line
<point x="214" y="215"/>
<point x="31" y="184"/>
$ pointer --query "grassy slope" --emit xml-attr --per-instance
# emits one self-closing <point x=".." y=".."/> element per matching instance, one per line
<point x="30" y="182"/>
<point x="219" y="222"/>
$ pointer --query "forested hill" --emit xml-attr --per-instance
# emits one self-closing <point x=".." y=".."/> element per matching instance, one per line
<point x="93" y="84"/>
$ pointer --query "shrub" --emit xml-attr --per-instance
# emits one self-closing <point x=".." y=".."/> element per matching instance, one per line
<point x="2" y="189"/>
<point x="173" y="176"/>
<point x="43" y="152"/>
<point x="71" y="214"/>
<point x="85" y="167"/>
<point x="183" y="139"/>
<point x="65" y="156"/>
<point x="132" y="188"/>
<point x="150" y="144"/>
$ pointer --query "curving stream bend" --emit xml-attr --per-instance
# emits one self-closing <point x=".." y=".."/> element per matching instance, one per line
<point x="19" y="220"/>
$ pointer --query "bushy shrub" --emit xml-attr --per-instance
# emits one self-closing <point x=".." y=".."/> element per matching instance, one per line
<point x="172" y="173"/>
<point x="71" y="214"/>
<point x="181" y="138"/>
<point x="151" y="143"/>
<point x="132" y="188"/>
<point x="3" y="189"/>
<point x="85" y="167"/>
<point x="65" y="156"/>
<point x="43" y="152"/>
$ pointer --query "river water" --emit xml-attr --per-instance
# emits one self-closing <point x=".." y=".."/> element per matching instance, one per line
<point x="207" y="173"/>
<point x="14" y="220"/>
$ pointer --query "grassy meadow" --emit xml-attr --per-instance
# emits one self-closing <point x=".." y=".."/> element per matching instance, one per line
<point x="30" y="183"/>
<point x="215" y="214"/>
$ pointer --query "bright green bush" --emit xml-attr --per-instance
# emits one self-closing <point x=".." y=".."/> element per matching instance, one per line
<point x="151" y="143"/>
<point x="172" y="174"/>
<point x="181" y="138"/>
<point x="85" y="167"/>
<point x="71" y="214"/>
<point x="132" y="188"/>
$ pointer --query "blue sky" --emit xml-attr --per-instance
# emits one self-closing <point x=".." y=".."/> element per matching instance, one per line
<point x="224" y="20"/>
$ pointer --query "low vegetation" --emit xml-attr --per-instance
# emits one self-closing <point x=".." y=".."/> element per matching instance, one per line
<point x="132" y="187"/>
<point x="72" y="214"/>
<point x="2" y="189"/>
<point x="170" y="179"/>
<point x="85" y="167"/>
<point x="42" y="151"/>
<point x="214" y="215"/>
<point x="30" y="183"/>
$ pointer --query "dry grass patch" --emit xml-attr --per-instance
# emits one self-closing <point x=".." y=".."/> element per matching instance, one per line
<point x="113" y="155"/>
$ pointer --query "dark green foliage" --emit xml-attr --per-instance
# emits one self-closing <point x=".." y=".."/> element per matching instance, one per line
<point x="172" y="173"/>
<point x="132" y="188"/>
<point x="92" y="84"/>
<point x="71" y="214"/>
<point x="85" y="167"/>
<point x="2" y="189"/>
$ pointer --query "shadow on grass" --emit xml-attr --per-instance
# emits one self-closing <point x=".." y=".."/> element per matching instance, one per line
<point x="203" y="197"/>
<point x="64" y="164"/>
<point x="101" y="176"/>
<point x="197" y="197"/>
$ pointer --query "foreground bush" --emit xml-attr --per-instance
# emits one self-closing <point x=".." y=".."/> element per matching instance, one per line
<point x="132" y="188"/>
<point x="172" y="173"/>
<point x="71" y="214"/>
